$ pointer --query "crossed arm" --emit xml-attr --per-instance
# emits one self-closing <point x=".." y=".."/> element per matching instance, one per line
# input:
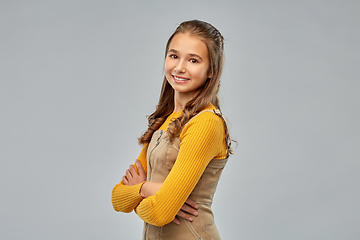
<point x="160" y="203"/>
<point x="133" y="177"/>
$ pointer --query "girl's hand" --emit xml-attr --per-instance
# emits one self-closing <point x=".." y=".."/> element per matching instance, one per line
<point x="189" y="207"/>
<point x="132" y="177"/>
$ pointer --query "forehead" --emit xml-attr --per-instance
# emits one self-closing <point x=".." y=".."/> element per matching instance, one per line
<point x="187" y="44"/>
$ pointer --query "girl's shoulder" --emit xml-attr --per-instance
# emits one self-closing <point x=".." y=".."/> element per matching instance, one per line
<point x="206" y="115"/>
<point x="208" y="120"/>
<point x="209" y="113"/>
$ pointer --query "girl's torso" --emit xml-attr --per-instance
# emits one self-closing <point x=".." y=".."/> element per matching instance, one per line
<point x="161" y="156"/>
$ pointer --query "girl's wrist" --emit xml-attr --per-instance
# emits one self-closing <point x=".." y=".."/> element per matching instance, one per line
<point x="141" y="191"/>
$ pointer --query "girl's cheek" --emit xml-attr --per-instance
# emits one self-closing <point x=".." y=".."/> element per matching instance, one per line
<point x="202" y="73"/>
<point x="167" y="66"/>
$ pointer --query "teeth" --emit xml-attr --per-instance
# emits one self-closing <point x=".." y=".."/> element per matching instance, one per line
<point x="181" y="79"/>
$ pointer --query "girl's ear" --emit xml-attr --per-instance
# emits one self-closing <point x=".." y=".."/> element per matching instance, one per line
<point x="209" y="74"/>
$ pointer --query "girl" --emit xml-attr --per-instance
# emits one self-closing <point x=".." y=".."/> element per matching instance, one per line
<point x="186" y="146"/>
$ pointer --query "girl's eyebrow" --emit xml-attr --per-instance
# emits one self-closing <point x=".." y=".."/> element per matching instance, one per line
<point x="195" y="55"/>
<point x="173" y="50"/>
<point x="191" y="54"/>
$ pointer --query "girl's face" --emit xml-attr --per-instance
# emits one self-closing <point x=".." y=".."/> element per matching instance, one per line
<point x="187" y="64"/>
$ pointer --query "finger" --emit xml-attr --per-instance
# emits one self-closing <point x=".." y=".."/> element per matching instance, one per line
<point x="176" y="221"/>
<point x="187" y="209"/>
<point x="128" y="174"/>
<point x="124" y="180"/>
<point x="132" y="170"/>
<point x="184" y="215"/>
<point x="140" y="167"/>
<point x="191" y="203"/>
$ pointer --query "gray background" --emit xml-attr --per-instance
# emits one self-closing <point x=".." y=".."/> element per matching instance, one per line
<point x="79" y="77"/>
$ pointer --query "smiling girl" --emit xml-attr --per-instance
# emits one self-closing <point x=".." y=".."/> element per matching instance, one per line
<point x="186" y="146"/>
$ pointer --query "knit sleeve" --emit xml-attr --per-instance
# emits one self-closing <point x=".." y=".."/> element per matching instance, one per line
<point x="202" y="139"/>
<point x="125" y="198"/>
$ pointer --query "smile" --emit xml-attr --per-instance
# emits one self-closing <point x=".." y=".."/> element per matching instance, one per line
<point x="179" y="79"/>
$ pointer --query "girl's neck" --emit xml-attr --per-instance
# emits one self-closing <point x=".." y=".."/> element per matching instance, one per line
<point x="181" y="99"/>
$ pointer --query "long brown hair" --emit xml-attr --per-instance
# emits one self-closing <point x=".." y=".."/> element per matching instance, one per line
<point x="208" y="94"/>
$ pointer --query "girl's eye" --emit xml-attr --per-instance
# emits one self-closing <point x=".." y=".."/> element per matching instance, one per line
<point x="193" y="60"/>
<point x="173" y="56"/>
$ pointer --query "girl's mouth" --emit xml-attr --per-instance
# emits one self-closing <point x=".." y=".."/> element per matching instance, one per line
<point x="180" y="79"/>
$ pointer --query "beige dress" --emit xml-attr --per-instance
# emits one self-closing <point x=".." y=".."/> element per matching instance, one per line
<point x="161" y="156"/>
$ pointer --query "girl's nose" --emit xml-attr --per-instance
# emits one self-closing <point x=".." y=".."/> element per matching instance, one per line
<point x="179" y="68"/>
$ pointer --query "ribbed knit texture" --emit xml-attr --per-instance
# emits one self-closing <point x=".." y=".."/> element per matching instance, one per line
<point x="126" y="198"/>
<point x="202" y="139"/>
